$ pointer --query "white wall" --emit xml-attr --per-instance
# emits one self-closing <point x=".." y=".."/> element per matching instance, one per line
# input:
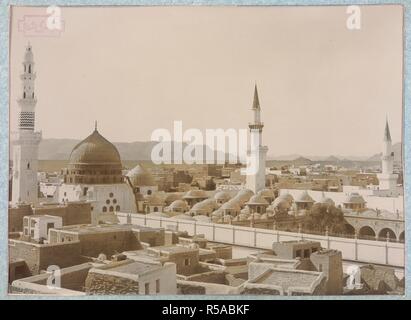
<point x="368" y="251"/>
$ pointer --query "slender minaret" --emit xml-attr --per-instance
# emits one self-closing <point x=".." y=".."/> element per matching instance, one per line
<point x="257" y="152"/>
<point x="25" y="140"/>
<point x="387" y="178"/>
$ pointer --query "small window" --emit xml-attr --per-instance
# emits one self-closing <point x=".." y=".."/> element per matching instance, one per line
<point x="111" y="195"/>
<point x="147" y="288"/>
<point x="108" y="201"/>
<point x="306" y="253"/>
<point x="85" y="191"/>
<point x="32" y="233"/>
<point x="114" y="201"/>
<point x="111" y="208"/>
<point x="186" y="262"/>
<point x="117" y="208"/>
<point x="104" y="209"/>
<point x="158" y="286"/>
<point x="298" y="253"/>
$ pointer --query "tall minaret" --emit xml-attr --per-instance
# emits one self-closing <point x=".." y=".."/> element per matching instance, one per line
<point x="257" y="153"/>
<point x="25" y="140"/>
<point x="387" y="178"/>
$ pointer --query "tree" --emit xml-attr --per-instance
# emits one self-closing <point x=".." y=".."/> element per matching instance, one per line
<point x="322" y="216"/>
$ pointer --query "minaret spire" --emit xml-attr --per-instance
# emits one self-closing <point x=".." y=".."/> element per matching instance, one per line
<point x="95" y="125"/>
<point x="387" y="135"/>
<point x="256" y="101"/>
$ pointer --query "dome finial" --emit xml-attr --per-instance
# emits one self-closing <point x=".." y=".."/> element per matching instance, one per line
<point x="95" y="125"/>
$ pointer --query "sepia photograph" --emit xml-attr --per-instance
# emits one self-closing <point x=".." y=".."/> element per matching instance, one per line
<point x="200" y="151"/>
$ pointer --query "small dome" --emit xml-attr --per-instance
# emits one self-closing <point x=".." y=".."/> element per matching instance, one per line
<point x="217" y="213"/>
<point x="171" y="197"/>
<point x="257" y="200"/>
<point x="211" y="203"/>
<point x="242" y="217"/>
<point x="230" y="205"/>
<point x="354" y="198"/>
<point x="304" y="197"/>
<point x="222" y="195"/>
<point x="264" y="216"/>
<point x="287" y="197"/>
<point x="203" y="207"/>
<point x="254" y="216"/>
<point x="154" y="200"/>
<point x="281" y="203"/>
<point x="195" y="194"/>
<point x="178" y="205"/>
<point x="244" y="195"/>
<point x="139" y="176"/>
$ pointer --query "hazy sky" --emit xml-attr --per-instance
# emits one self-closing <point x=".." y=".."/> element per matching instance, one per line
<point x="324" y="89"/>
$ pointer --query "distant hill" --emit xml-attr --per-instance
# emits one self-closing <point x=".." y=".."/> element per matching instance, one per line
<point x="397" y="148"/>
<point x="60" y="149"/>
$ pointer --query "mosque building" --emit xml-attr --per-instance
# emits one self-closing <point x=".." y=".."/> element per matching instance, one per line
<point x="94" y="173"/>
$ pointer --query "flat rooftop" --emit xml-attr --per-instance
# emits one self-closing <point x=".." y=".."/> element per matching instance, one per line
<point x="135" y="267"/>
<point x="288" y="278"/>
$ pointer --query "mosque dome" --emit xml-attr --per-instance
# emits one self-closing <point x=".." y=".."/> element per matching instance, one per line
<point x="95" y="149"/>
<point x="222" y="196"/>
<point x="211" y="203"/>
<point x="178" y="205"/>
<point x="244" y="195"/>
<point x="139" y="176"/>
<point x="281" y="203"/>
<point x="287" y="197"/>
<point x="154" y="200"/>
<point x="95" y="160"/>
<point x="230" y="205"/>
<point x="354" y="198"/>
<point x="195" y="194"/>
<point x="172" y="197"/>
<point x="202" y="207"/>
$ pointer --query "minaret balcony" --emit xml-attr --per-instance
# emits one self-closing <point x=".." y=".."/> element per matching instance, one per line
<point x="256" y="125"/>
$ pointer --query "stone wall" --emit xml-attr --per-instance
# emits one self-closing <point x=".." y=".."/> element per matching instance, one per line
<point x="16" y="215"/>
<point x="40" y="257"/>
<point x="105" y="284"/>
